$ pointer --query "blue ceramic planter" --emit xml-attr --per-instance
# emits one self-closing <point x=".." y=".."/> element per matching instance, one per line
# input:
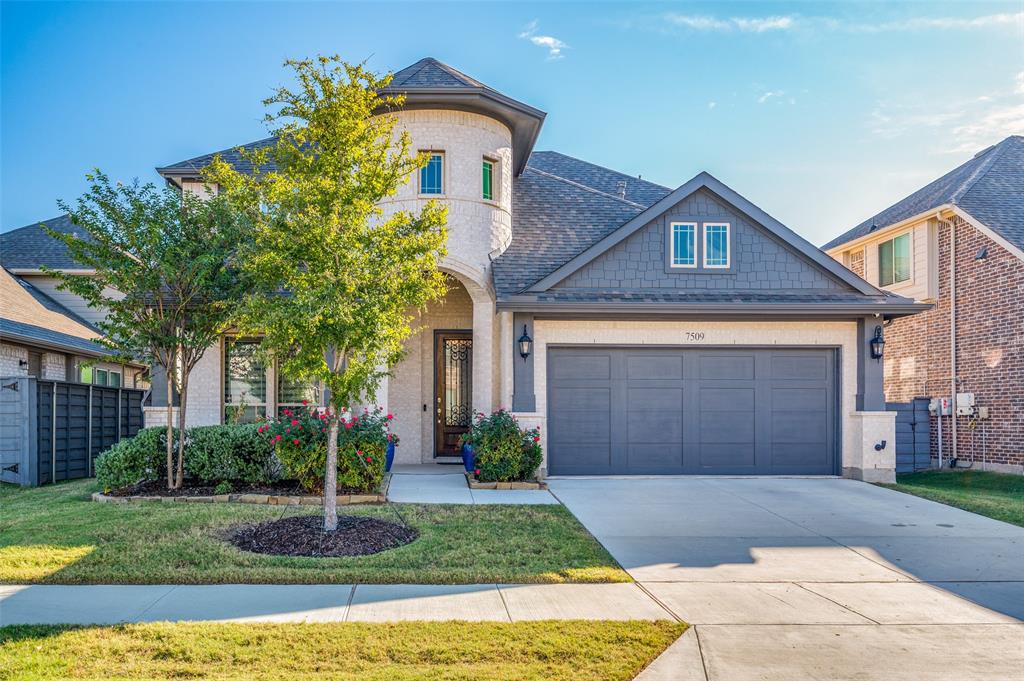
<point x="389" y="458"/>
<point x="468" y="458"/>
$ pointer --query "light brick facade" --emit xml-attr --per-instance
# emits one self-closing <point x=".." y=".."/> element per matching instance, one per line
<point x="989" y="346"/>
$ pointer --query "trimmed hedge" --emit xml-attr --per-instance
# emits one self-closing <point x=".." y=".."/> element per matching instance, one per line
<point x="133" y="460"/>
<point x="232" y="453"/>
<point x="213" y="454"/>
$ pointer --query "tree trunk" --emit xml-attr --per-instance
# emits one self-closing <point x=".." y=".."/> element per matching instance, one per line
<point x="331" y="475"/>
<point x="170" y="426"/>
<point x="179" y="478"/>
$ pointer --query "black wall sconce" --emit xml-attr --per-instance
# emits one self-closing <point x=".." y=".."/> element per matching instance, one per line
<point x="525" y="344"/>
<point x="877" y="344"/>
<point x="22" y="362"/>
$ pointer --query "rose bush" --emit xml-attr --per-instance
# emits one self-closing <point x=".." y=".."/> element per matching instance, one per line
<point x="300" y="438"/>
<point x="504" y="452"/>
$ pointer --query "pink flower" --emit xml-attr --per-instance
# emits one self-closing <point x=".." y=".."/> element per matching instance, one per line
<point x="287" y="430"/>
<point x="390" y="416"/>
<point x="369" y="459"/>
<point x="295" y="422"/>
<point x="277" y="439"/>
<point x="476" y="472"/>
<point x="305" y="402"/>
<point x="324" y="429"/>
<point x="348" y="425"/>
<point x="295" y="442"/>
<point x="359" y="452"/>
<point x="536" y="438"/>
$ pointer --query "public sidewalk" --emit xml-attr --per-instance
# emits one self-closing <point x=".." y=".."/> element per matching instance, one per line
<point x="59" y="604"/>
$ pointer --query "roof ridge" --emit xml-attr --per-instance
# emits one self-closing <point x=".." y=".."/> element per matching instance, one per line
<point x="452" y="71"/>
<point x="34" y="224"/>
<point x="604" y="168"/>
<point x="586" y="188"/>
<point x="983" y="168"/>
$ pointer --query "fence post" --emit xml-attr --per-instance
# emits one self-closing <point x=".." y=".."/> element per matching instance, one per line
<point x="118" y="415"/>
<point x="53" y="433"/>
<point x="88" y="445"/>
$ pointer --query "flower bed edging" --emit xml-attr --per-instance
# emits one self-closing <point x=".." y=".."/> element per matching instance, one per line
<point x="524" y="484"/>
<point x="264" y="499"/>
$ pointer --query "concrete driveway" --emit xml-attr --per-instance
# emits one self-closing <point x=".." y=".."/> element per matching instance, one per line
<point x="814" y="578"/>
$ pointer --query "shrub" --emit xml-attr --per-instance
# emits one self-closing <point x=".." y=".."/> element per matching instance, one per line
<point x="301" y="440"/>
<point x="503" y="451"/>
<point x="135" y="459"/>
<point x="236" y="453"/>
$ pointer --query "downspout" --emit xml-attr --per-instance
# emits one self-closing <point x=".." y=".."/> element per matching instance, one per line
<point x="952" y="338"/>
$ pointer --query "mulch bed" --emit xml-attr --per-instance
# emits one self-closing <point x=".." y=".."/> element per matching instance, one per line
<point x="304" y="536"/>
<point x="158" y="488"/>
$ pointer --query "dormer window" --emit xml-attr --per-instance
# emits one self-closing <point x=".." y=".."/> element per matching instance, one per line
<point x="432" y="174"/>
<point x="894" y="260"/>
<point x="716" y="245"/>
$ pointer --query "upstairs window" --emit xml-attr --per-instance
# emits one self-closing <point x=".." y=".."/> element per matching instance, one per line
<point x="894" y="260"/>
<point x="716" y="245"/>
<point x="684" y="244"/>
<point x="488" y="180"/>
<point x="432" y="174"/>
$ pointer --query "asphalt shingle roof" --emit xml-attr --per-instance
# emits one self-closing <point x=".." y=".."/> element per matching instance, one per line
<point x="990" y="187"/>
<point x="30" y="247"/>
<point x="429" y="72"/>
<point x="230" y="156"/>
<point x="560" y="207"/>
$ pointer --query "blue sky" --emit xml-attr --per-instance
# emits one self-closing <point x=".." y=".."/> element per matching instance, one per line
<point x="820" y="113"/>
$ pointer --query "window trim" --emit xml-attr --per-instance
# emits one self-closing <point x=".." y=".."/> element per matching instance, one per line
<point x="672" y="244"/>
<point x="444" y="172"/>
<point x="896" y="283"/>
<point x="705" y="249"/>
<point x="226" y="341"/>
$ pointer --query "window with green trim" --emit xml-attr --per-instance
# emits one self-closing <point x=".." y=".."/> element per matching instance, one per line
<point x="488" y="180"/>
<point x="432" y="174"/>
<point x="894" y="260"/>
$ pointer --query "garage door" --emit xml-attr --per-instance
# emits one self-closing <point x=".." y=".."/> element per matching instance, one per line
<point x="630" y="411"/>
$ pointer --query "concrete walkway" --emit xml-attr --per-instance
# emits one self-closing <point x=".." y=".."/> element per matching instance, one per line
<point x="437" y="484"/>
<point x="801" y="579"/>
<point x="45" y="604"/>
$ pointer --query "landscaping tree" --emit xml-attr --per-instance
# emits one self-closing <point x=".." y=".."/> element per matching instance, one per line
<point x="336" y="279"/>
<point x="163" y="267"/>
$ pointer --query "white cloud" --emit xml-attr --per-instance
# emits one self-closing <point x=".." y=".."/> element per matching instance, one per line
<point x="768" y="94"/>
<point x="963" y="124"/>
<point x="712" y="105"/>
<point x="553" y="45"/>
<point x="742" y="24"/>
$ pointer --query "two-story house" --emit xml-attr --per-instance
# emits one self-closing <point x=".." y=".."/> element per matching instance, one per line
<point x="645" y="329"/>
<point x="957" y="243"/>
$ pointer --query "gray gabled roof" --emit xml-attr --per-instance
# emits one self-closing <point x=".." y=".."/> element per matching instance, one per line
<point x="190" y="168"/>
<point x="429" y="72"/>
<point x="30" y="248"/>
<point x="703" y="180"/>
<point x="990" y="187"/>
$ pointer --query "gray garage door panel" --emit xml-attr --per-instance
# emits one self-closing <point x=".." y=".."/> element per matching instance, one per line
<point x="695" y="410"/>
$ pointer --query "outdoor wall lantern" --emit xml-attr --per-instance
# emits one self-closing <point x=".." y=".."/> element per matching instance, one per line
<point x="525" y="344"/>
<point x="877" y="344"/>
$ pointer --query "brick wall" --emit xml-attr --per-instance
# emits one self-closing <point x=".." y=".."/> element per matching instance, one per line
<point x="989" y="343"/>
<point x="9" y="360"/>
<point x="857" y="262"/>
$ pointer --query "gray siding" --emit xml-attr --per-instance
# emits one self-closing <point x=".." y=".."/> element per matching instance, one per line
<point x="760" y="262"/>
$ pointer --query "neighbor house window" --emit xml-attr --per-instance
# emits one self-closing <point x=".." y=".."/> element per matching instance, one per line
<point x="245" y="381"/>
<point x="432" y="174"/>
<point x="488" y="180"/>
<point x="716" y="244"/>
<point x="894" y="260"/>
<point x="684" y="244"/>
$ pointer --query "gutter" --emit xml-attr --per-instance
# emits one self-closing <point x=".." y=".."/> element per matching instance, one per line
<point x="723" y="309"/>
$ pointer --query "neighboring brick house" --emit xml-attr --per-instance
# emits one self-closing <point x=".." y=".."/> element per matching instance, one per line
<point x="977" y="212"/>
<point x="39" y="320"/>
<point x="39" y="337"/>
<point x="674" y="331"/>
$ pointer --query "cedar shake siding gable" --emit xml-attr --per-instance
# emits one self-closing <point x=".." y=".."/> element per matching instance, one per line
<point x="759" y="261"/>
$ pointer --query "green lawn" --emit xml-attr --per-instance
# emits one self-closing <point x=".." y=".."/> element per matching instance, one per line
<point x="996" y="495"/>
<point x="56" y="535"/>
<point x="411" y="650"/>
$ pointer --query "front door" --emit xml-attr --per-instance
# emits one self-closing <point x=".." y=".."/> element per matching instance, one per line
<point x="453" y="389"/>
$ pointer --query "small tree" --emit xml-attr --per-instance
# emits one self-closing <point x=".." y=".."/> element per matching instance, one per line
<point x="163" y="269"/>
<point x="334" y="278"/>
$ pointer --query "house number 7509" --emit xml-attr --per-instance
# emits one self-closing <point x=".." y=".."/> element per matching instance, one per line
<point x="694" y="335"/>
